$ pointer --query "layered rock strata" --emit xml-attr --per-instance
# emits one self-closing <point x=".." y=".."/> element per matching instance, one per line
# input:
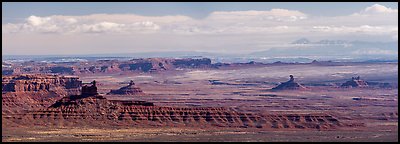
<point x="26" y="92"/>
<point x="98" y="111"/>
<point x="38" y="82"/>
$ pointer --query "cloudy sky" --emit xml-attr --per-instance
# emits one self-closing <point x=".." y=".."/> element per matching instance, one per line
<point x="99" y="28"/>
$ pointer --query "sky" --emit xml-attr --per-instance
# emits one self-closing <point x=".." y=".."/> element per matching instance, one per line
<point x="99" y="28"/>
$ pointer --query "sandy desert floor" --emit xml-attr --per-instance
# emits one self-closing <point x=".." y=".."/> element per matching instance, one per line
<point x="191" y="134"/>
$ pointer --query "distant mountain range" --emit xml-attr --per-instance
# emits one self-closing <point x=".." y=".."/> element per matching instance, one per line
<point x="301" y="50"/>
<point x="340" y="48"/>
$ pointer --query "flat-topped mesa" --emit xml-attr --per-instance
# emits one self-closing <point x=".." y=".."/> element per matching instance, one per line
<point x="289" y="85"/>
<point x="161" y="64"/>
<point x="131" y="89"/>
<point x="39" y="82"/>
<point x="192" y="63"/>
<point x="106" y="66"/>
<point x="355" y="82"/>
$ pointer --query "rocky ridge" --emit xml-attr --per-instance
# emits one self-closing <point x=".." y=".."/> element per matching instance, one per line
<point x="289" y="85"/>
<point x="130" y="89"/>
<point x="355" y="82"/>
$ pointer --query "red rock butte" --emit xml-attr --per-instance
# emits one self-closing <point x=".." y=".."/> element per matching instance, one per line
<point x="131" y="89"/>
<point x="355" y="82"/>
<point x="89" y="90"/>
<point x="289" y="85"/>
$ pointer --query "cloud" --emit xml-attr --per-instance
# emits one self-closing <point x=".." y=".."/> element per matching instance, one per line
<point x="219" y="22"/>
<point x="132" y="18"/>
<point x="100" y="27"/>
<point x="274" y="21"/>
<point x="377" y="9"/>
<point x="230" y="31"/>
<point x="281" y="15"/>
<point x="146" y="25"/>
<point x="76" y="24"/>
<point x="10" y="28"/>
<point x="363" y="29"/>
<point x="37" y="21"/>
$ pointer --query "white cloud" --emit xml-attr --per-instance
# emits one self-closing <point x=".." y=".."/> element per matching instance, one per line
<point x="71" y="20"/>
<point x="76" y="24"/>
<point x="146" y="25"/>
<point x="377" y="9"/>
<point x="272" y="15"/>
<point x="10" y="28"/>
<point x="363" y="29"/>
<point x="132" y="18"/>
<point x="37" y="21"/>
<point x="100" y="27"/>
<point x="220" y="29"/>
<point x="218" y="22"/>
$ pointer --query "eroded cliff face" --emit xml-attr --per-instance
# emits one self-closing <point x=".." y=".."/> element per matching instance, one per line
<point x="107" y="66"/>
<point x="27" y="92"/>
<point x="192" y="63"/>
<point x="98" y="111"/>
<point x="37" y="82"/>
<point x="162" y="64"/>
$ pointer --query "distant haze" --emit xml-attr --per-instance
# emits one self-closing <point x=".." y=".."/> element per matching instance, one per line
<point x="278" y="29"/>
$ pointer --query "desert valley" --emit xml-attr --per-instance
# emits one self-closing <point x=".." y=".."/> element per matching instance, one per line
<point x="166" y="99"/>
